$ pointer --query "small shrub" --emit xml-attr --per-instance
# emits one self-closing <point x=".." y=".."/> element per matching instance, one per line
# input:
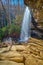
<point x="1" y="34"/>
<point x="14" y="29"/>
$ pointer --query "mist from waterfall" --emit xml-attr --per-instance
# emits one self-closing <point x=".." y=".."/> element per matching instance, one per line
<point x="26" y="25"/>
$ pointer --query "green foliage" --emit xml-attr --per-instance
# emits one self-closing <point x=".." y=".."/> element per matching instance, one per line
<point x="15" y="26"/>
<point x="9" y="30"/>
<point x="14" y="29"/>
<point x="1" y="34"/>
<point x="5" y="30"/>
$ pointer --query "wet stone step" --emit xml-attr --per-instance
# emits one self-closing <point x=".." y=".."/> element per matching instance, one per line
<point x="10" y="63"/>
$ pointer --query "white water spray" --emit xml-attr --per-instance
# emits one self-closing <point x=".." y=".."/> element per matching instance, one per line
<point x="26" y="25"/>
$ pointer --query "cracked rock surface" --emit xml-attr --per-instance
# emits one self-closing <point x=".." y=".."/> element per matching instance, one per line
<point x="26" y="54"/>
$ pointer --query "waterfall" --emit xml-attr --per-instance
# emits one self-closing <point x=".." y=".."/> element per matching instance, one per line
<point x="26" y="25"/>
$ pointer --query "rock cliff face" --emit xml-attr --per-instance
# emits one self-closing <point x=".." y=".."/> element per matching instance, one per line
<point x="34" y="3"/>
<point x="37" y="6"/>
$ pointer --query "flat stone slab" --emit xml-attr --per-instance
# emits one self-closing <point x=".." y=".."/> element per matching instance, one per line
<point x="13" y="56"/>
<point x="10" y="63"/>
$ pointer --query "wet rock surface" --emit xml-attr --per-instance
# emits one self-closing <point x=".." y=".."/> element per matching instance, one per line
<point x="10" y="63"/>
<point x="26" y="54"/>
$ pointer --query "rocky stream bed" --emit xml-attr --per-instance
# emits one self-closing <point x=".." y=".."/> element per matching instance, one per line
<point x="25" y="54"/>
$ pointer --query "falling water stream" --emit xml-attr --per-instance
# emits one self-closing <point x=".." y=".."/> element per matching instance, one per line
<point x="26" y="24"/>
<point x="25" y="28"/>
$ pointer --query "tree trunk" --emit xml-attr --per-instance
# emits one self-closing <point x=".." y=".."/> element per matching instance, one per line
<point x="6" y="14"/>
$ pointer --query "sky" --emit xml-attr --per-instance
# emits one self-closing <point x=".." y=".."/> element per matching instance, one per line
<point x="21" y="2"/>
